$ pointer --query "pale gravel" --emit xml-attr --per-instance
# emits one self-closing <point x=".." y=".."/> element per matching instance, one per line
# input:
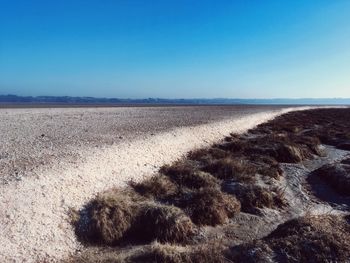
<point x="33" y="211"/>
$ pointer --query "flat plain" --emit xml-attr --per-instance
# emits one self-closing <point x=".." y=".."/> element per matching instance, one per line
<point x="53" y="160"/>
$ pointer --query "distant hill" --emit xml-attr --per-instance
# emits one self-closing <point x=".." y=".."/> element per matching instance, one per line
<point x="66" y="100"/>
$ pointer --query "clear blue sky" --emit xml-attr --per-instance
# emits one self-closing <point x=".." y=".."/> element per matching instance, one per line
<point x="175" y="48"/>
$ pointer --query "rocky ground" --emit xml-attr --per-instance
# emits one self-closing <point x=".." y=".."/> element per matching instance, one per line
<point x="277" y="193"/>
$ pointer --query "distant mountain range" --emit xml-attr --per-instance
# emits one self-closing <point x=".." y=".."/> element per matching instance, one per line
<point x="66" y="100"/>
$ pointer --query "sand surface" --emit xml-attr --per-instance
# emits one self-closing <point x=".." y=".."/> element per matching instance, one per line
<point x="54" y="159"/>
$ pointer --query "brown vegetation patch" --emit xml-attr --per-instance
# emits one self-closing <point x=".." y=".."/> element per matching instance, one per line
<point x="337" y="176"/>
<point x="346" y="161"/>
<point x="175" y="254"/>
<point x="235" y="145"/>
<point x="196" y="180"/>
<point x="158" y="187"/>
<point x="108" y="218"/>
<point x="228" y="168"/>
<point x="114" y="218"/>
<point x="252" y="197"/>
<point x="344" y="146"/>
<point x="283" y="151"/>
<point x="181" y="167"/>
<point x="205" y="154"/>
<point x="323" y="238"/>
<point x="165" y="224"/>
<point x="210" y="206"/>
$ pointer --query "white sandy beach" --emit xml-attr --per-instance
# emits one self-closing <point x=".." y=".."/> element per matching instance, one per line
<point x="33" y="208"/>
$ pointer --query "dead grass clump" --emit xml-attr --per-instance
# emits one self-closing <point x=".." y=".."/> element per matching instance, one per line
<point x="159" y="187"/>
<point x="322" y="238"/>
<point x="166" y="253"/>
<point x="205" y="154"/>
<point x="236" y="169"/>
<point x="263" y="159"/>
<point x="108" y="218"/>
<point x="254" y="252"/>
<point x="211" y="253"/>
<point x="210" y="206"/>
<point x="253" y="197"/>
<point x="196" y="180"/>
<point x="181" y="167"/>
<point x="279" y="147"/>
<point x="289" y="154"/>
<point x="164" y="223"/>
<point x="346" y="161"/>
<point x="312" y="239"/>
<point x="337" y="176"/>
<point x="344" y="146"/>
<point x="312" y="143"/>
<point x="274" y="172"/>
<point x="235" y="145"/>
<point x="279" y="199"/>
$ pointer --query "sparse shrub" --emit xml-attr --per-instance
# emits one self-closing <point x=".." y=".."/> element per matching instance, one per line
<point x="210" y="206"/>
<point x="164" y="223"/>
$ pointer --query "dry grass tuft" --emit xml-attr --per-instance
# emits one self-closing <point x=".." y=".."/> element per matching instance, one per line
<point x="108" y="218"/>
<point x="253" y="197"/>
<point x="166" y="253"/>
<point x="165" y="224"/>
<point x="337" y="176"/>
<point x="210" y="206"/>
<point x="115" y="218"/>
<point x="181" y="167"/>
<point x="158" y="187"/>
<point x="346" y="161"/>
<point x="236" y="169"/>
<point x="206" y="154"/>
<point x="196" y="180"/>
<point x="322" y="238"/>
